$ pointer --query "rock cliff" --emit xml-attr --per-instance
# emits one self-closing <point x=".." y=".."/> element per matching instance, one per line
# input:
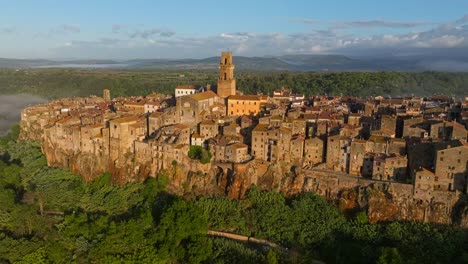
<point x="383" y="201"/>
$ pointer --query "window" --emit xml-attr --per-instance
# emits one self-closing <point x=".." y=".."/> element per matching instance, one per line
<point x="441" y="159"/>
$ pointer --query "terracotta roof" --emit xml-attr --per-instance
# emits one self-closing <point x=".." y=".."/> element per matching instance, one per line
<point x="203" y="95"/>
<point x="188" y="86"/>
<point x="64" y="120"/>
<point x="196" y="135"/>
<point x="137" y="125"/>
<point x="261" y="127"/>
<point x="127" y="119"/>
<point x="244" y="97"/>
<point x="153" y="103"/>
<point x="359" y="141"/>
<point x="156" y="114"/>
<point x="426" y="170"/>
<point x="208" y="122"/>
<point x="141" y="103"/>
<point x="378" y="139"/>
<point x="239" y="145"/>
<point x="181" y="126"/>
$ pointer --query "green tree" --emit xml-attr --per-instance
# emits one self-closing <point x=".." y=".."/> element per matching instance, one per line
<point x="390" y="256"/>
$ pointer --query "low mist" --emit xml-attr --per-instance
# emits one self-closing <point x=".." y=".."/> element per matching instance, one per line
<point x="10" y="109"/>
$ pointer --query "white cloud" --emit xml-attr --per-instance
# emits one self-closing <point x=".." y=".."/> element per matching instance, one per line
<point x="382" y="23"/>
<point x="6" y="29"/>
<point x="157" y="42"/>
<point x="64" y="29"/>
<point x="151" y="32"/>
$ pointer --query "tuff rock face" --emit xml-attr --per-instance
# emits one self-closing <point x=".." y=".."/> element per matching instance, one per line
<point x="383" y="201"/>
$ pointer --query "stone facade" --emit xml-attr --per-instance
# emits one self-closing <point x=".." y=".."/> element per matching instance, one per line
<point x="239" y="105"/>
<point x="226" y="81"/>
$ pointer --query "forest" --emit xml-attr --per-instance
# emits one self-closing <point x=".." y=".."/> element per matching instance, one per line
<point x="49" y="215"/>
<point x="57" y="83"/>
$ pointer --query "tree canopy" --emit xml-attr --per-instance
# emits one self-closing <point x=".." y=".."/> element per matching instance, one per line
<point x="48" y="215"/>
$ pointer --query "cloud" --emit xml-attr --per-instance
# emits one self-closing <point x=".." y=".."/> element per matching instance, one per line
<point x="145" y="34"/>
<point x="64" y="29"/>
<point x="7" y="29"/>
<point x="116" y="28"/>
<point x="159" y="43"/>
<point x="304" y="20"/>
<point x="364" y="23"/>
<point x="462" y="20"/>
<point x="108" y="42"/>
<point x="381" y="23"/>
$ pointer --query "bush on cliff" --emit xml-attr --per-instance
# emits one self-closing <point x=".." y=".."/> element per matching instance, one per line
<point x="199" y="153"/>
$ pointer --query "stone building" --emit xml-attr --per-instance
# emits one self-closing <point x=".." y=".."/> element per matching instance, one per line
<point x="451" y="168"/>
<point x="233" y="129"/>
<point x="238" y="105"/>
<point x="271" y="143"/>
<point x="187" y="89"/>
<point x="388" y="125"/>
<point x="237" y="152"/>
<point x="194" y="108"/>
<point x="358" y="151"/>
<point x="226" y="81"/>
<point x="338" y="150"/>
<point x="297" y="149"/>
<point x="106" y="95"/>
<point x="448" y="131"/>
<point x="424" y="184"/>
<point x="120" y="138"/>
<point x="151" y="107"/>
<point x="389" y="167"/>
<point x="208" y="129"/>
<point x="354" y="119"/>
<point x="313" y="151"/>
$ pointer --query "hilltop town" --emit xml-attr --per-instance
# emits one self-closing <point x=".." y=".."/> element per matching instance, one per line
<point x="213" y="140"/>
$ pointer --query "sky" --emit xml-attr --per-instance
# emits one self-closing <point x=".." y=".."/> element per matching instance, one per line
<point x="105" y="29"/>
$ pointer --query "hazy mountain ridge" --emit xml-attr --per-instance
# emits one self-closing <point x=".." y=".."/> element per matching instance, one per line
<point x="294" y="62"/>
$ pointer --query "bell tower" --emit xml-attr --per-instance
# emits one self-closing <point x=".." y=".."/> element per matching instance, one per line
<point x="106" y="95"/>
<point x="226" y="81"/>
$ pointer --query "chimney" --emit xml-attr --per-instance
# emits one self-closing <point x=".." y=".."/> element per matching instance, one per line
<point x="208" y="87"/>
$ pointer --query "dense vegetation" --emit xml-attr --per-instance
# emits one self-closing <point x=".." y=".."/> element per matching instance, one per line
<point x="56" y="83"/>
<point x="50" y="215"/>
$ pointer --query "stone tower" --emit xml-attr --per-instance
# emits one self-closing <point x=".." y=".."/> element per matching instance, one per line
<point x="106" y="95"/>
<point x="226" y="81"/>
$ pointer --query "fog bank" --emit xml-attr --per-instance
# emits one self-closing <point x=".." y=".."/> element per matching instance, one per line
<point x="10" y="109"/>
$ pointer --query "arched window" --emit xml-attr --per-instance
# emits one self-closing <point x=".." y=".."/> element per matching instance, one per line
<point x="225" y="60"/>
<point x="225" y="76"/>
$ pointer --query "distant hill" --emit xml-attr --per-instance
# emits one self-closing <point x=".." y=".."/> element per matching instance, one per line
<point x="296" y="62"/>
<point x="270" y="63"/>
